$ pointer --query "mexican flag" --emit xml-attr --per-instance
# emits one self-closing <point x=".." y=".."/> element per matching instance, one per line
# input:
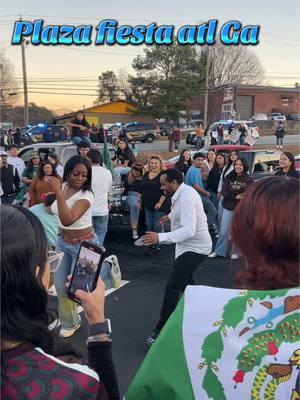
<point x="225" y="344"/>
<point x="106" y="157"/>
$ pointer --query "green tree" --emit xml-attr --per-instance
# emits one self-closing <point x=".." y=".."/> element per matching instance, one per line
<point x="36" y="115"/>
<point x="166" y="77"/>
<point x="108" y="87"/>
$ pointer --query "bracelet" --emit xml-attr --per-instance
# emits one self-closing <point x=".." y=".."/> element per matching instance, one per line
<point x="104" y="337"/>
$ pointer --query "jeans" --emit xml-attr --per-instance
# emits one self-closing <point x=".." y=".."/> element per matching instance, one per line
<point x="242" y="139"/>
<point x="279" y="141"/>
<point x="152" y="218"/>
<point x="67" y="309"/>
<point x="177" y="143"/>
<point x="214" y="198"/>
<point x="183" y="269"/>
<point x="77" y="139"/>
<point x="121" y="171"/>
<point x="220" y="139"/>
<point x="210" y="210"/>
<point x="224" y="233"/>
<point x="132" y="201"/>
<point x="220" y="210"/>
<point x="100" y="223"/>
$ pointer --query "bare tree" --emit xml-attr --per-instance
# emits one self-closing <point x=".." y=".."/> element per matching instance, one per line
<point x="8" y="83"/>
<point x="234" y="65"/>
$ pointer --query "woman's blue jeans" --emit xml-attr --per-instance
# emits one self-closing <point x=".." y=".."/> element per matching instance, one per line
<point x="224" y="234"/>
<point x="77" y="139"/>
<point x="132" y="201"/>
<point x="67" y="309"/>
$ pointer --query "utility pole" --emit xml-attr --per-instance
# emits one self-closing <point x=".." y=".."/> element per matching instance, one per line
<point x="206" y="90"/>
<point x="26" y="119"/>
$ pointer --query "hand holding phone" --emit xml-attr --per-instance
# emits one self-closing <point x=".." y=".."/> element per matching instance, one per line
<point x="92" y="303"/>
<point x="86" y="271"/>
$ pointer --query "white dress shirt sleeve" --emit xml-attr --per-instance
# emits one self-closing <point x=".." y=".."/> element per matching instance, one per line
<point x="187" y="226"/>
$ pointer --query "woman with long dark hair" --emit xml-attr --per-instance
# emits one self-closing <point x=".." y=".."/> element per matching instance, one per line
<point x="80" y="129"/>
<point x="234" y="187"/>
<point x="214" y="177"/>
<point x="123" y="159"/>
<point x="29" y="367"/>
<point x="40" y="184"/>
<point x="59" y="169"/>
<point x="184" y="162"/>
<point x="73" y="207"/>
<point x="287" y="165"/>
<point x="233" y="156"/>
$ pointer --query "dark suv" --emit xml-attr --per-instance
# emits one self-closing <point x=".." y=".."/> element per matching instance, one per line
<point x="36" y="132"/>
<point x="142" y="132"/>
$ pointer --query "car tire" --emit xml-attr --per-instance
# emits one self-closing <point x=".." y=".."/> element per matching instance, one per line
<point x="149" y="139"/>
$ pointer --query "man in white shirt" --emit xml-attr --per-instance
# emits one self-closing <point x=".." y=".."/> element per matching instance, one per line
<point x="16" y="161"/>
<point x="101" y="186"/>
<point x="189" y="231"/>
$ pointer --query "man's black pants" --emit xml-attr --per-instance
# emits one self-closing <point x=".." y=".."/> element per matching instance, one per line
<point x="183" y="269"/>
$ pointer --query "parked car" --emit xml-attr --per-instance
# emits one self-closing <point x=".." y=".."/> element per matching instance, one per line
<point x="142" y="132"/>
<point x="293" y="117"/>
<point x="36" y="132"/>
<point x="192" y="139"/>
<point x="165" y="129"/>
<point x="259" y="117"/>
<point x="277" y="117"/>
<point x="262" y="163"/>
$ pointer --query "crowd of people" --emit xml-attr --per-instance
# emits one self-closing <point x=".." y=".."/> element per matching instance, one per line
<point x="193" y="205"/>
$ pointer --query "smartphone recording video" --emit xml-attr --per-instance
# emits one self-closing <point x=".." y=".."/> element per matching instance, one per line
<point x="87" y="269"/>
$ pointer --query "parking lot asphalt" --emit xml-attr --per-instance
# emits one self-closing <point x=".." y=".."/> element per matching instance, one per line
<point x="134" y="308"/>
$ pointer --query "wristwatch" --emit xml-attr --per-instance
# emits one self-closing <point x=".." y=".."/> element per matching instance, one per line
<point x="98" y="329"/>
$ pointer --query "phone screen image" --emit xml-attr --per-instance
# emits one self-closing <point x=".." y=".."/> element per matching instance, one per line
<point x="86" y="270"/>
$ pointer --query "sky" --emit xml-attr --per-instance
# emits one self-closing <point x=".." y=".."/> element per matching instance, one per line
<point x="52" y="70"/>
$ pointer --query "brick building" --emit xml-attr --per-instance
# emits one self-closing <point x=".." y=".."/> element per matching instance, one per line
<point x="242" y="101"/>
<point x="108" y="113"/>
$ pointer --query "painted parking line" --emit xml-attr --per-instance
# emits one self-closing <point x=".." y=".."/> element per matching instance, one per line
<point x="56" y="323"/>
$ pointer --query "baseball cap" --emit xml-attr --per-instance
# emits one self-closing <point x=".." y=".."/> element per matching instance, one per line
<point x="3" y="153"/>
<point x="34" y="154"/>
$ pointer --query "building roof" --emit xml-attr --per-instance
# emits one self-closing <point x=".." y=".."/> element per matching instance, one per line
<point x="119" y="106"/>
<point x="259" y="87"/>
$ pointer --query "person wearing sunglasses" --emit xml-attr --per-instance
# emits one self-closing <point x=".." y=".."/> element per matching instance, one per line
<point x="32" y="358"/>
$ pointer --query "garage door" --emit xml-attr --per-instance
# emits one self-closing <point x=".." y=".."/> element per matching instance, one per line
<point x="244" y="107"/>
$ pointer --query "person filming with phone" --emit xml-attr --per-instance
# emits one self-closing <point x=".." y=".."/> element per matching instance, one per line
<point x="34" y="364"/>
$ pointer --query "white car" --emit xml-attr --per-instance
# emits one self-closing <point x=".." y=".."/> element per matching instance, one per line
<point x="277" y="117"/>
<point x="259" y="117"/>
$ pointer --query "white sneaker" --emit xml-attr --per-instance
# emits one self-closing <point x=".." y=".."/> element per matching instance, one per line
<point x="277" y="147"/>
<point x="212" y="255"/>
<point x="65" y="333"/>
<point x="281" y="147"/>
<point x="52" y="291"/>
<point x="234" y="257"/>
<point x="115" y="271"/>
<point x="135" y="234"/>
<point x="54" y="324"/>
